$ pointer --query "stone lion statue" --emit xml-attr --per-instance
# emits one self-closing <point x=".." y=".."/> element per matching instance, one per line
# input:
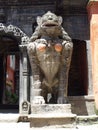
<point x="49" y="52"/>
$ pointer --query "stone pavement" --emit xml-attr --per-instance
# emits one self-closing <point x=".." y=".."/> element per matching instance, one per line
<point x="25" y="126"/>
<point x="10" y="122"/>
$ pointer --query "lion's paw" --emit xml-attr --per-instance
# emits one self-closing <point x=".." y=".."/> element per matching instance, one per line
<point x="38" y="100"/>
<point x="62" y="100"/>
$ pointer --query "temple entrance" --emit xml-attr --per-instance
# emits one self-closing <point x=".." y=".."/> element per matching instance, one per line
<point x="78" y="75"/>
<point x="9" y="73"/>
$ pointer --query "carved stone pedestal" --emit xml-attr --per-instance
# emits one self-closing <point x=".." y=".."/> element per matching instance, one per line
<point x="52" y="114"/>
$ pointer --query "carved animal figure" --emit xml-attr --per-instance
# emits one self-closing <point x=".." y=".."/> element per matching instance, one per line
<point x="50" y="51"/>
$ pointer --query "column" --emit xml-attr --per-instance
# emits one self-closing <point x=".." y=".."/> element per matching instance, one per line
<point x="93" y="18"/>
<point x="24" y="82"/>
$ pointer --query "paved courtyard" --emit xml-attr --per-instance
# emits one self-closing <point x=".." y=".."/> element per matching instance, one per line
<point x="26" y="126"/>
<point x="9" y="122"/>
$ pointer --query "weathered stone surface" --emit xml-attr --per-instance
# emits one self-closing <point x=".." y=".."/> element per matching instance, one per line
<point x="87" y="120"/>
<point x="82" y="105"/>
<point x="25" y="107"/>
<point x="51" y="114"/>
<point x="65" y="120"/>
<point x="50" y="108"/>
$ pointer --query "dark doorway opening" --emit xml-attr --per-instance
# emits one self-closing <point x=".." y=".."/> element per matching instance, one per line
<point x="9" y="75"/>
<point x="78" y="74"/>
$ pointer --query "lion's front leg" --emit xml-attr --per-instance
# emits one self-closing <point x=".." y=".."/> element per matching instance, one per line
<point x="63" y="85"/>
<point x="64" y="71"/>
<point x="37" y="98"/>
<point x="37" y="91"/>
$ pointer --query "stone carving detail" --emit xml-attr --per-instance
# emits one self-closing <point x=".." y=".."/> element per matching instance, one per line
<point x="23" y="40"/>
<point x="15" y="32"/>
<point x="2" y="27"/>
<point x="25" y="107"/>
<point x="50" y="51"/>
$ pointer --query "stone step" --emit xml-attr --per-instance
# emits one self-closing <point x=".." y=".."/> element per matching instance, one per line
<point x="50" y="108"/>
<point x="9" y="117"/>
<point x="82" y="105"/>
<point x="40" y="120"/>
<point x="87" y="120"/>
<point x="52" y="114"/>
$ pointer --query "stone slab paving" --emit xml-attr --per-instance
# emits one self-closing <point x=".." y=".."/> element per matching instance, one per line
<point x="25" y="126"/>
<point x="9" y="122"/>
<point x="9" y="117"/>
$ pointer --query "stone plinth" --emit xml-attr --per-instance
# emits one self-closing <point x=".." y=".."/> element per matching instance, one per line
<point x="82" y="105"/>
<point x="50" y="108"/>
<point x="52" y="114"/>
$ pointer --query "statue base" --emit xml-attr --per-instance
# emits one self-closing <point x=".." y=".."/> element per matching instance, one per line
<point x="51" y="115"/>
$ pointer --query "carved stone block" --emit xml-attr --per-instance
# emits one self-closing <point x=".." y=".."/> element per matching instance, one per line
<point x="58" y="115"/>
<point x="25" y="108"/>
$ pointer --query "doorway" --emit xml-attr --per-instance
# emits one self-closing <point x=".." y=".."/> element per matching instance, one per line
<point x="78" y="74"/>
<point x="9" y="74"/>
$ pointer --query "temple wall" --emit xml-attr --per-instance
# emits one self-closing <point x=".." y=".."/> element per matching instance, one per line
<point x="23" y="15"/>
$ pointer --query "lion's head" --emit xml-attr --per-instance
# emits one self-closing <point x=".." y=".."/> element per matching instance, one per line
<point x="50" y="23"/>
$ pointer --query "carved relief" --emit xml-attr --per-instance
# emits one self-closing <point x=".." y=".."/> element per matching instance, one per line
<point x="15" y="32"/>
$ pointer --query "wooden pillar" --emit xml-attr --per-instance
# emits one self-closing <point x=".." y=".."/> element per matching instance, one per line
<point x="93" y="17"/>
